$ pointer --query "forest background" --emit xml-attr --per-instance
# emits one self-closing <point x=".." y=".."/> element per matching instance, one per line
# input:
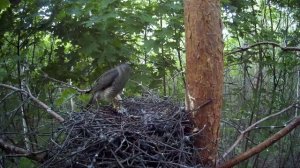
<point x="75" y="41"/>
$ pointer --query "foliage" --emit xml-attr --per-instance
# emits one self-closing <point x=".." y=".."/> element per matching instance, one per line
<point x="75" y="41"/>
<point x="261" y="80"/>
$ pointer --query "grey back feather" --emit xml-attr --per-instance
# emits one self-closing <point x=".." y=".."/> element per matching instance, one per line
<point x="105" y="80"/>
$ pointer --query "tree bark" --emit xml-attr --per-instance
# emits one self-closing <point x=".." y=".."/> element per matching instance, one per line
<point x="204" y="70"/>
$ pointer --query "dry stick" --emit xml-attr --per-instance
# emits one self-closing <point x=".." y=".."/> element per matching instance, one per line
<point x="116" y="157"/>
<point x="11" y="148"/>
<point x="6" y="96"/>
<point x="260" y="147"/>
<point x="251" y="128"/>
<point x="38" y="156"/>
<point x="66" y="84"/>
<point x="145" y="89"/>
<point x="200" y="106"/>
<point x="284" y="48"/>
<point x="43" y="105"/>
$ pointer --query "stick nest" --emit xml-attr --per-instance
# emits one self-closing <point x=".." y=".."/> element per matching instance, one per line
<point x="152" y="133"/>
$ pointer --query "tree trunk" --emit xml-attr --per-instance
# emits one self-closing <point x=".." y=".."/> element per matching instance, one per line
<point x="204" y="70"/>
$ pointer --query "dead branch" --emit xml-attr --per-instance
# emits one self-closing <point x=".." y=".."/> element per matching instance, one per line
<point x="260" y="147"/>
<point x="40" y="103"/>
<point x="251" y="127"/>
<point x="245" y="48"/>
<point x="203" y="104"/>
<point x="66" y="84"/>
<point x="17" y="151"/>
<point x="7" y="95"/>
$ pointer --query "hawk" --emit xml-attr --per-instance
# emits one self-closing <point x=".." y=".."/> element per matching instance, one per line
<point x="110" y="84"/>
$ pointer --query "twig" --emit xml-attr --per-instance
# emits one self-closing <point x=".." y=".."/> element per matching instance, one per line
<point x="6" y="96"/>
<point x="66" y="84"/>
<point x="231" y="124"/>
<point x="17" y="151"/>
<point x="252" y="127"/>
<point x="284" y="48"/>
<point x="145" y="89"/>
<point x="200" y="106"/>
<point x="118" y="161"/>
<point x="42" y="105"/>
<point x="260" y="147"/>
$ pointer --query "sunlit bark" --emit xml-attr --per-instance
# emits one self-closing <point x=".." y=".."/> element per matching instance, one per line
<point x="204" y="59"/>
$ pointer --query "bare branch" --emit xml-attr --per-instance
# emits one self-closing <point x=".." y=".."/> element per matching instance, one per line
<point x="260" y="147"/>
<point x="40" y="103"/>
<point x="17" y="151"/>
<point x="66" y="84"/>
<point x="253" y="127"/>
<point x="284" y="48"/>
<point x="5" y="97"/>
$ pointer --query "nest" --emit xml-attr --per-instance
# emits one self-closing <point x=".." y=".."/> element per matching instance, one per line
<point x="152" y="133"/>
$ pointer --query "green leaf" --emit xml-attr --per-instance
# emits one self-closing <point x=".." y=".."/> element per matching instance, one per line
<point x="24" y="162"/>
<point x="3" y="74"/>
<point x="106" y="3"/>
<point x="89" y="44"/>
<point x="65" y="96"/>
<point x="84" y="97"/>
<point x="4" y="4"/>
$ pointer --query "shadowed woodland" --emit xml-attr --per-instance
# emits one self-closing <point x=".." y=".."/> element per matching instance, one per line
<point x="52" y="51"/>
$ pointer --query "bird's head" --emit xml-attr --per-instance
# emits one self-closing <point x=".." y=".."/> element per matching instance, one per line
<point x="129" y="63"/>
<point x="126" y="66"/>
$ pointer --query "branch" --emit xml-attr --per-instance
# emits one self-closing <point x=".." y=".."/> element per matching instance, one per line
<point x="66" y="84"/>
<point x="284" y="48"/>
<point x="260" y="147"/>
<point x="42" y="105"/>
<point x="253" y="127"/>
<point x="11" y="149"/>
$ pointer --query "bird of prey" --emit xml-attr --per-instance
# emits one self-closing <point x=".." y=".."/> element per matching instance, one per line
<point x="110" y="84"/>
